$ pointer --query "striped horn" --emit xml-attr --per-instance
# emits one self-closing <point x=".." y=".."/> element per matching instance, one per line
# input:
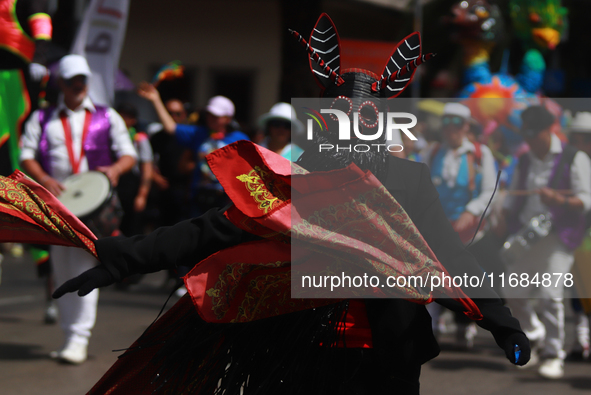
<point x="398" y="74"/>
<point x="336" y="78"/>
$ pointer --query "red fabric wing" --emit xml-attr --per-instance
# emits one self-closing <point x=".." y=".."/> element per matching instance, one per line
<point x="29" y="213"/>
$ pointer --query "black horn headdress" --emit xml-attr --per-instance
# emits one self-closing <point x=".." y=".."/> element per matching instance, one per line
<point x="324" y="49"/>
<point x="355" y="88"/>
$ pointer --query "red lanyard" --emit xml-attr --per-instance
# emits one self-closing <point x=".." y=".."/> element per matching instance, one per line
<point x="68" y="134"/>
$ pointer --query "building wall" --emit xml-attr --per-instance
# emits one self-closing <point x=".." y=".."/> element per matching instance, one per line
<point x="208" y="37"/>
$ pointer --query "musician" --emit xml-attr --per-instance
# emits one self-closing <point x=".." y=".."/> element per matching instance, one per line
<point x="463" y="173"/>
<point x="560" y="178"/>
<point x="75" y="137"/>
<point x="580" y="138"/>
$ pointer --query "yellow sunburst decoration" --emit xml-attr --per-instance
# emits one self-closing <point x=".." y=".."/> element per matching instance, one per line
<point x="492" y="101"/>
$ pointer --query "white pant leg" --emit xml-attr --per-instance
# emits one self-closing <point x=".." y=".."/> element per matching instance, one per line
<point x="519" y="299"/>
<point x="549" y="256"/>
<point x="77" y="314"/>
<point x="552" y="316"/>
<point x="581" y="331"/>
<point x="560" y="261"/>
<point x="532" y="262"/>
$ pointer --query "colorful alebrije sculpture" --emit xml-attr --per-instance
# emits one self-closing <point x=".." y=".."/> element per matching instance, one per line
<point x="477" y="20"/>
<point x="538" y="24"/>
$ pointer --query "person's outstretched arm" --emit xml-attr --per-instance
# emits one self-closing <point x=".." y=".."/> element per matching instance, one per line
<point x="149" y="92"/>
<point x="447" y="246"/>
<point x="183" y="244"/>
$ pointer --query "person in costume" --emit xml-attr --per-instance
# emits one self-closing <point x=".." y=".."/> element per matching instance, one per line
<point x="580" y="137"/>
<point x="247" y="335"/>
<point x="25" y="30"/>
<point x="75" y="137"/>
<point x="463" y="172"/>
<point x="560" y="176"/>
<point x="278" y="124"/>
<point x="464" y="175"/>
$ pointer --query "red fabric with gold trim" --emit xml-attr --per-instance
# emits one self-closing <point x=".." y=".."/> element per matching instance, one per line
<point x="255" y="285"/>
<point x="29" y="213"/>
<point x="341" y="215"/>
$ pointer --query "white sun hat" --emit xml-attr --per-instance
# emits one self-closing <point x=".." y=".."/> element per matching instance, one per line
<point x="581" y="123"/>
<point x="457" y="109"/>
<point x="283" y="111"/>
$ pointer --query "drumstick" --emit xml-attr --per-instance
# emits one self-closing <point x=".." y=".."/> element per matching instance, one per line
<point x="524" y="192"/>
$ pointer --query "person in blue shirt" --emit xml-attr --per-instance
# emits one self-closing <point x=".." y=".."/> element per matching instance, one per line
<point x="215" y="131"/>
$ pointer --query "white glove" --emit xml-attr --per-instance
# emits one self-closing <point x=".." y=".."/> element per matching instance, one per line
<point x="37" y="71"/>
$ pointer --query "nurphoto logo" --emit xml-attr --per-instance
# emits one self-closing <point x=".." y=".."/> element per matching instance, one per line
<point x="368" y="126"/>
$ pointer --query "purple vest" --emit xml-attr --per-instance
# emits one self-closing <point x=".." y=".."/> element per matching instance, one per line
<point x="569" y="225"/>
<point x="97" y="145"/>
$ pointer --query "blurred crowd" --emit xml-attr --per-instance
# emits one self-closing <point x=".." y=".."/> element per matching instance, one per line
<point x="536" y="224"/>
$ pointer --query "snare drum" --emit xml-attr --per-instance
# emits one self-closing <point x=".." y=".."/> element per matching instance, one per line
<point x="520" y="243"/>
<point x="89" y="196"/>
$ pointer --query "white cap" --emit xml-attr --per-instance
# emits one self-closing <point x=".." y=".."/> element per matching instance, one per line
<point x="581" y="123"/>
<point x="73" y="65"/>
<point x="283" y="111"/>
<point x="220" y="106"/>
<point x="457" y="109"/>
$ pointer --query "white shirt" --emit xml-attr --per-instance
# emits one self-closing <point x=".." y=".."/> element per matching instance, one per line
<point x="58" y="152"/>
<point x="451" y="167"/>
<point x="539" y="175"/>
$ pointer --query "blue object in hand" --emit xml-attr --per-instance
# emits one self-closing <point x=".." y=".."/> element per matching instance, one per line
<point x="517" y="352"/>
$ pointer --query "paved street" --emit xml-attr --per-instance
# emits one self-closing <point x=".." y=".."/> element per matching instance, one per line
<point x="486" y="371"/>
<point x="25" y="342"/>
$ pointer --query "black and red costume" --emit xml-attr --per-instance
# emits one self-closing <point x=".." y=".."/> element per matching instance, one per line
<point x="291" y="346"/>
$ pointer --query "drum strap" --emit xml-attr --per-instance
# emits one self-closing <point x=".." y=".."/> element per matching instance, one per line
<point x="69" y="144"/>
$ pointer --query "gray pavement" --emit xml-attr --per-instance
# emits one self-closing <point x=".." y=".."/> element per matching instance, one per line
<point x="25" y="342"/>
<point x="486" y="371"/>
